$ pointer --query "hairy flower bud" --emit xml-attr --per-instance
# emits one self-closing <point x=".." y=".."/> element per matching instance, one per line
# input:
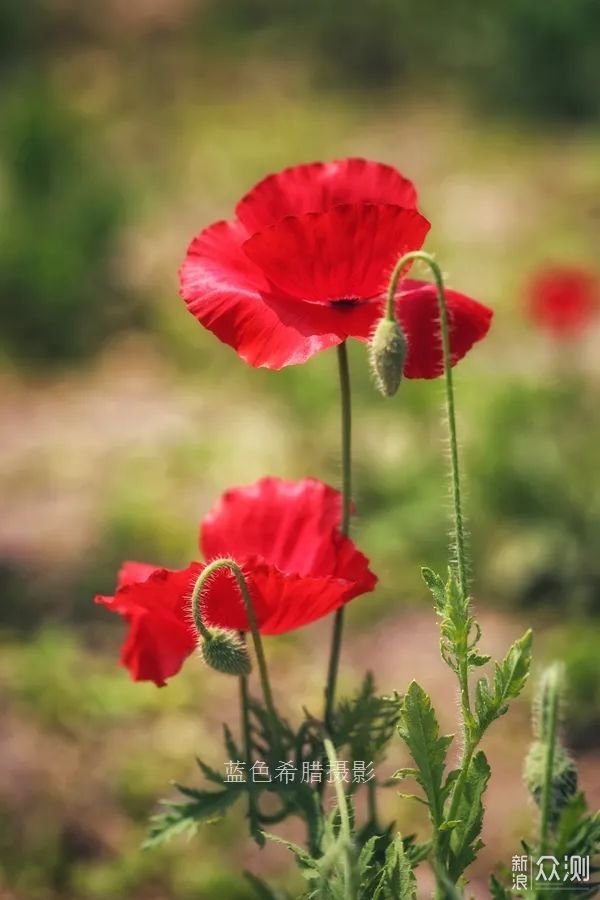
<point x="564" y="777"/>
<point x="387" y="353"/>
<point x="225" y="651"/>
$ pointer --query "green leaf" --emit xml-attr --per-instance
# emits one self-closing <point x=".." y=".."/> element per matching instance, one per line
<point x="184" y="818"/>
<point x="230" y="745"/>
<point x="436" y="586"/>
<point x="510" y="676"/>
<point x="400" y="877"/>
<point x="464" y="841"/>
<point x="209" y="773"/>
<point x="366" y="856"/>
<point x="366" y="723"/>
<point x="419" y="729"/>
<point x="304" y="859"/>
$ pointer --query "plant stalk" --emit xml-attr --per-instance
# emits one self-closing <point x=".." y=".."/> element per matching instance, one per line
<point x="338" y="624"/>
<point x="196" y="599"/>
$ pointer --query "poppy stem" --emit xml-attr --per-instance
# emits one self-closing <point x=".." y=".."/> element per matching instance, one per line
<point x="338" y="624"/>
<point x="460" y="563"/>
<point x="245" y="717"/>
<point x="196" y="604"/>
<point x="459" y="528"/>
<point x="344" y="844"/>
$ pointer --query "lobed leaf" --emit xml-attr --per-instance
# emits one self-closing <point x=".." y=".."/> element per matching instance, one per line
<point x="419" y="729"/>
<point x="510" y="676"/>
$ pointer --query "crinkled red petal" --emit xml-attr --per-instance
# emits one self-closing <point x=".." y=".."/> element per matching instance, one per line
<point x="317" y="187"/>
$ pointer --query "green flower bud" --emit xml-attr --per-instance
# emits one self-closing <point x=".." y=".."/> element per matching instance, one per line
<point x="225" y="651"/>
<point x="387" y="353"/>
<point x="564" y="777"/>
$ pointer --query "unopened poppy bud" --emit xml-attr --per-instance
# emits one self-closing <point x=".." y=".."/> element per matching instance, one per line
<point x="225" y="651"/>
<point x="563" y="785"/>
<point x="387" y="353"/>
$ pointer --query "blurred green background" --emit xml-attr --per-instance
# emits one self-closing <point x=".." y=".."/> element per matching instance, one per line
<point x="126" y="128"/>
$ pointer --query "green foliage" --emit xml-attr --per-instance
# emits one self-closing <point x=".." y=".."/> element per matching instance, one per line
<point x="459" y="631"/>
<point x="365" y="723"/>
<point x="60" y="216"/>
<point x="418" y="727"/>
<point x="503" y="55"/>
<point x="184" y="818"/>
<point x="398" y="879"/>
<point x="510" y="675"/>
<point x="465" y="843"/>
<point x="339" y="872"/>
<point x="566" y="828"/>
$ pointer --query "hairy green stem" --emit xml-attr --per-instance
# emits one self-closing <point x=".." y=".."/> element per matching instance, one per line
<point x="549" y="736"/>
<point x="245" y="718"/>
<point x="196" y="604"/>
<point x="459" y="529"/>
<point x="338" y="624"/>
<point x="350" y="886"/>
<point x="470" y="740"/>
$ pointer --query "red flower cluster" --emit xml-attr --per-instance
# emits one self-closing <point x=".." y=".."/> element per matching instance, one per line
<point x="564" y="299"/>
<point x="305" y="264"/>
<point x="299" y="567"/>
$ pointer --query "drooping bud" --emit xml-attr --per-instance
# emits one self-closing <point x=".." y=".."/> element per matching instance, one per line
<point x="387" y="353"/>
<point x="225" y="651"/>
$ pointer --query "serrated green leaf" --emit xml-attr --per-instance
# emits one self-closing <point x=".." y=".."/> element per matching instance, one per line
<point x="304" y="859"/>
<point x="209" y="773"/>
<point x="510" y="676"/>
<point x="399" y="874"/>
<point x="365" y="858"/>
<point x="464" y="844"/>
<point x="478" y="659"/>
<point x="419" y="729"/>
<point x="366" y="722"/>
<point x="181" y="818"/>
<point x="230" y="745"/>
<point x="436" y="586"/>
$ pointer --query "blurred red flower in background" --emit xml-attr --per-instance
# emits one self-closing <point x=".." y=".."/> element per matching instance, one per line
<point x="299" y="567"/>
<point x="563" y="299"/>
<point x="306" y="263"/>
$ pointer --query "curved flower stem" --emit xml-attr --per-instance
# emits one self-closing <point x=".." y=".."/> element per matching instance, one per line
<point x="470" y="737"/>
<point x="338" y="625"/>
<point x="459" y="529"/>
<point x="196" y="599"/>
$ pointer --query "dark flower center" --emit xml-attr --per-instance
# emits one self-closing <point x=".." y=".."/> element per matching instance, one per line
<point x="345" y="302"/>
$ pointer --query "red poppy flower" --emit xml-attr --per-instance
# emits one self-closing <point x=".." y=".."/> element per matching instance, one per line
<point x="563" y="299"/>
<point x="299" y="567"/>
<point x="306" y="262"/>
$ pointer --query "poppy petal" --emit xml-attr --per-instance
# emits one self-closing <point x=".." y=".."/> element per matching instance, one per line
<point x="230" y="296"/>
<point x="131" y="572"/>
<point x="160" y="635"/>
<point x="281" y="602"/>
<point x="418" y="313"/>
<point x="317" y="187"/>
<point x="291" y="525"/>
<point x="346" y="253"/>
